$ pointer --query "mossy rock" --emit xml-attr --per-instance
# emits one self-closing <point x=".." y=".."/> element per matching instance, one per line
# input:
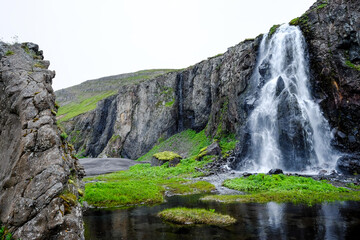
<point x="195" y="216"/>
<point x="163" y="157"/>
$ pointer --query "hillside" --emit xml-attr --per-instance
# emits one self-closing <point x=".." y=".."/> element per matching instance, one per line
<point x="82" y="98"/>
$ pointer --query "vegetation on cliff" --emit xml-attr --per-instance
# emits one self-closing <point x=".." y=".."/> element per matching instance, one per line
<point x="82" y="98"/>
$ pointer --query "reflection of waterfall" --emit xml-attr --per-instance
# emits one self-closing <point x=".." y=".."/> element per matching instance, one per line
<point x="286" y="127"/>
<point x="272" y="221"/>
<point x="334" y="225"/>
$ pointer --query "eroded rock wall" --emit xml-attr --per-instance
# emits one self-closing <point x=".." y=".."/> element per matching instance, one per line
<point x="332" y="32"/>
<point x="203" y="95"/>
<point x="39" y="177"/>
<point x="218" y="94"/>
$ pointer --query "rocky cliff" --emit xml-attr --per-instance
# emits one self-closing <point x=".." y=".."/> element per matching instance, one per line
<point x="218" y="94"/>
<point x="39" y="177"/>
<point x="206" y="94"/>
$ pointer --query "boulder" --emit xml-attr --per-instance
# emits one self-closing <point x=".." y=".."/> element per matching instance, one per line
<point x="212" y="149"/>
<point x="349" y="164"/>
<point x="160" y="158"/>
<point x="275" y="171"/>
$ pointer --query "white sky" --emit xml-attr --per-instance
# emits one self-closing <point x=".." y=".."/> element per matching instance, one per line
<point x="87" y="39"/>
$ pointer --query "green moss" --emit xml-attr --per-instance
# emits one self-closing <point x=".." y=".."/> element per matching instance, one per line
<point x="281" y="188"/>
<point x="273" y="29"/>
<point x="190" y="187"/>
<point x="322" y="6"/>
<point x="72" y="110"/>
<point x="353" y="66"/>
<point x="294" y="22"/>
<point x="39" y="65"/>
<point x="195" y="216"/>
<point x="166" y="156"/>
<point x="69" y="198"/>
<point x="63" y="135"/>
<point x="170" y="104"/>
<point x="9" y="53"/>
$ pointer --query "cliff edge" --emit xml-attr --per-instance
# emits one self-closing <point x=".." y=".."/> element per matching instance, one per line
<point x="39" y="177"/>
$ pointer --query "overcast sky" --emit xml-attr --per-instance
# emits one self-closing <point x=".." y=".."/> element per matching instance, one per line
<point x="88" y="39"/>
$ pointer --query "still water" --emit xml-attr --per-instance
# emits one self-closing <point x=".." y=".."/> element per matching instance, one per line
<point x="339" y="220"/>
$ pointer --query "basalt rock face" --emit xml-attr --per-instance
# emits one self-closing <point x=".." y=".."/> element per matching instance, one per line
<point x="218" y="94"/>
<point x="204" y="95"/>
<point x="39" y="178"/>
<point x="332" y="32"/>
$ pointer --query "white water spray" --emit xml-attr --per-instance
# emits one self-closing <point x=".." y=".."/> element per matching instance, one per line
<point x="287" y="128"/>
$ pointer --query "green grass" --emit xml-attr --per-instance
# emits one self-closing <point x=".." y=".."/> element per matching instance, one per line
<point x="9" y="53"/>
<point x="350" y="64"/>
<point x="71" y="110"/>
<point x="143" y="184"/>
<point x="227" y="143"/>
<point x="195" y="216"/>
<point x="280" y="188"/>
<point x="187" y="143"/>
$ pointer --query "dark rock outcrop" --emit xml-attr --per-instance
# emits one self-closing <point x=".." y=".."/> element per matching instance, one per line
<point x="275" y="171"/>
<point x="206" y="94"/>
<point x="39" y="177"/>
<point x="349" y="164"/>
<point x="331" y="30"/>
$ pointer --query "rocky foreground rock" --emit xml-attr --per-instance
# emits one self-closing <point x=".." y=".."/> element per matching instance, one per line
<point x="39" y="177"/>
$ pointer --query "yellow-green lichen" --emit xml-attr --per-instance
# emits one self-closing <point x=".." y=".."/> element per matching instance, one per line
<point x="166" y="156"/>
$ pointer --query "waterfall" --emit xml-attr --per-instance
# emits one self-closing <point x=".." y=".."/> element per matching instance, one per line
<point x="286" y="127"/>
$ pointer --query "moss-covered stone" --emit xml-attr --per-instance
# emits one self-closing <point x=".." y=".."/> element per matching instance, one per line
<point x="166" y="155"/>
<point x="162" y="157"/>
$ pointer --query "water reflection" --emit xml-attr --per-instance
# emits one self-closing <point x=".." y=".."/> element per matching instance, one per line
<point x="255" y="221"/>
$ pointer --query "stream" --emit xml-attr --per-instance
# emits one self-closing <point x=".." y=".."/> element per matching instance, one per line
<point x="339" y="220"/>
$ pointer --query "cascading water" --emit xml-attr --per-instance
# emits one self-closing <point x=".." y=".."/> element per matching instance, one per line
<point x="286" y="126"/>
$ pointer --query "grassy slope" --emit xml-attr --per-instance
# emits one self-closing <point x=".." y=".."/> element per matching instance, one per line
<point x="187" y="143"/>
<point x="280" y="188"/>
<point x="146" y="184"/>
<point x="82" y="98"/>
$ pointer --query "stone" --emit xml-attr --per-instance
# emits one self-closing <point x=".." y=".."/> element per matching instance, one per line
<point x="275" y="171"/>
<point x="349" y="164"/>
<point x="161" y="158"/>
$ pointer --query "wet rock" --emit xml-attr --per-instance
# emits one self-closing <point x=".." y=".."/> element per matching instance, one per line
<point x="246" y="174"/>
<point x="275" y="171"/>
<point x="322" y="172"/>
<point x="349" y="164"/>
